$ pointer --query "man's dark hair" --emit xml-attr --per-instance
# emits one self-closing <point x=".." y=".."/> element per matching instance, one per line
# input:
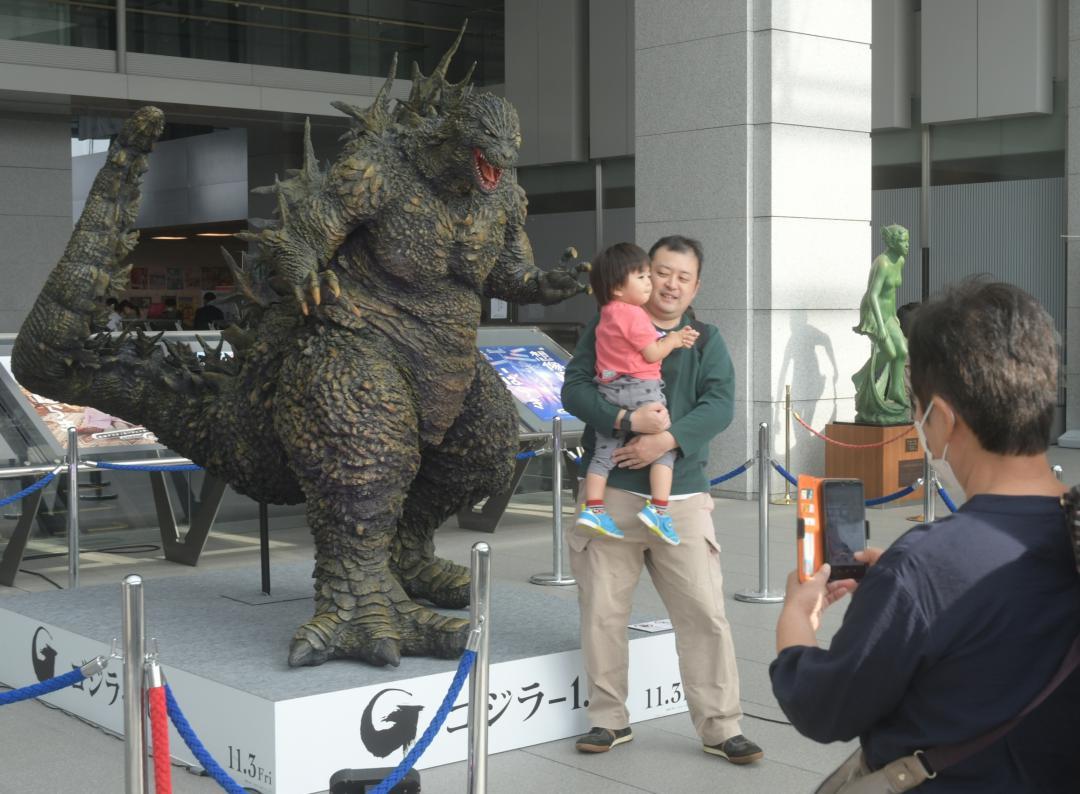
<point x="612" y="267"/>
<point x="209" y="297"/>
<point x="989" y="350"/>
<point x="110" y="302"/>
<point x="904" y="315"/>
<point x="681" y="245"/>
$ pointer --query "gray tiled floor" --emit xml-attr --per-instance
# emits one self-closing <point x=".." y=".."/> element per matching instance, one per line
<point x="43" y="750"/>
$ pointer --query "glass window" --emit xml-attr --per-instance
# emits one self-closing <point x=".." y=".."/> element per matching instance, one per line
<point x="987" y="150"/>
<point x="73" y="24"/>
<point x="344" y="36"/>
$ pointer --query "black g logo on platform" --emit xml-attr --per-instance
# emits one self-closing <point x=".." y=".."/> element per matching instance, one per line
<point x="400" y="734"/>
<point x="43" y="656"/>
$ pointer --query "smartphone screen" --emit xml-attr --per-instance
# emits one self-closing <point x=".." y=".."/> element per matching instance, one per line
<point x="845" y="526"/>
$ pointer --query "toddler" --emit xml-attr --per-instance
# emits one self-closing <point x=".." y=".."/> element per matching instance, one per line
<point x="629" y="349"/>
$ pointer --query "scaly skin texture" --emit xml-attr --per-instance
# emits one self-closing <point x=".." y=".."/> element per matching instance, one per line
<point x="357" y="387"/>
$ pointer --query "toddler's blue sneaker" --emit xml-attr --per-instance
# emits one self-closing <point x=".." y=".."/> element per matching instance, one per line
<point x="660" y="523"/>
<point x="601" y="522"/>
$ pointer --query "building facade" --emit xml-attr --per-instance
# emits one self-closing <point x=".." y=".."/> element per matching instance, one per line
<point x="782" y="133"/>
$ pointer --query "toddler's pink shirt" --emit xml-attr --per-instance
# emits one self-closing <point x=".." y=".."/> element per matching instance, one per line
<point x="623" y="332"/>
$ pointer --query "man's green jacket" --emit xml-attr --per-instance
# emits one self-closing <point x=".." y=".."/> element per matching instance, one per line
<point x="699" y="384"/>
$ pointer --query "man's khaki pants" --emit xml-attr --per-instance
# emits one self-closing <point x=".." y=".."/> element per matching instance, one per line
<point x="689" y="581"/>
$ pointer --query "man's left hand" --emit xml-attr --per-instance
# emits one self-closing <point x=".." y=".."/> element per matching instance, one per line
<point x="642" y="451"/>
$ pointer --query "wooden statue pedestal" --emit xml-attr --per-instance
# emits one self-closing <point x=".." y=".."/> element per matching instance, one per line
<point x="883" y="469"/>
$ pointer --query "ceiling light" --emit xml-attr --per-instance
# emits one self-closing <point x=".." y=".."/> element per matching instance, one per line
<point x="214" y="234"/>
<point x="168" y="237"/>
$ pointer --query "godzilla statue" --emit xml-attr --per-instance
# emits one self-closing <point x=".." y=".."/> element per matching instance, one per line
<point x="357" y="386"/>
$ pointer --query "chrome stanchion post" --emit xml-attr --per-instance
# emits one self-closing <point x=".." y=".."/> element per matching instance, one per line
<point x="929" y="499"/>
<point x="1058" y="471"/>
<point x="787" y="441"/>
<point x="73" y="508"/>
<point x="480" y="617"/>
<point x="762" y="594"/>
<point x="133" y="628"/>
<point x="556" y="576"/>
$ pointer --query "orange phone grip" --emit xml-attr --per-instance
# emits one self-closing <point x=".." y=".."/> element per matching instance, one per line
<point x="810" y="538"/>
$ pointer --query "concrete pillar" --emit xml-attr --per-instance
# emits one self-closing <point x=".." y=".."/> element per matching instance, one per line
<point x="753" y="135"/>
<point x="1072" y="305"/>
<point x="35" y="207"/>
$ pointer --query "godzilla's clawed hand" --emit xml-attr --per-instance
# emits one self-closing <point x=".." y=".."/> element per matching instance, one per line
<point x="562" y="282"/>
<point x="318" y="289"/>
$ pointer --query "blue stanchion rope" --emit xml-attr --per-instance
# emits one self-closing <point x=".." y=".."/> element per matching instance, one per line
<point x="183" y="727"/>
<point x="125" y="467"/>
<point x="44" y="688"/>
<point x="787" y="475"/>
<point x="869" y="502"/>
<point x="949" y="503"/>
<point x="48" y="478"/>
<point x="880" y="500"/>
<point x="529" y="453"/>
<point x="433" y="729"/>
<point x="733" y="473"/>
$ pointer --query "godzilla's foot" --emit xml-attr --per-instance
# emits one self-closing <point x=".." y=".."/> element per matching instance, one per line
<point x="445" y="584"/>
<point x="378" y="627"/>
<point x="333" y="636"/>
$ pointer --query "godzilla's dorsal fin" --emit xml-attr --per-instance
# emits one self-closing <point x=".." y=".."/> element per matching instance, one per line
<point x="435" y="95"/>
<point x="356" y="112"/>
<point x="282" y="203"/>
<point x="464" y="83"/>
<point x="311" y="164"/>
<point x="377" y="117"/>
<point x="444" y="62"/>
<point x="242" y="280"/>
<point x="382" y="99"/>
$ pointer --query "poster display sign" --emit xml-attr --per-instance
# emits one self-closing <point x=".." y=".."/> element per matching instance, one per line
<point x="97" y="430"/>
<point x="533" y="374"/>
<point x="532" y="366"/>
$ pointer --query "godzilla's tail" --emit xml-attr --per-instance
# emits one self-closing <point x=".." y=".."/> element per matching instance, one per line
<point x="51" y="349"/>
<point x="189" y="405"/>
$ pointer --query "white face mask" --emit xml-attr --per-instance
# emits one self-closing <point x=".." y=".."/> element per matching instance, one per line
<point x="942" y="467"/>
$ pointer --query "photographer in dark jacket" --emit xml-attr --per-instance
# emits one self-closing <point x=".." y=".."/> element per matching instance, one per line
<point x="958" y="625"/>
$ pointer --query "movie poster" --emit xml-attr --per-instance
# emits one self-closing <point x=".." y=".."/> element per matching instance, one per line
<point x="533" y="375"/>
<point x="96" y="430"/>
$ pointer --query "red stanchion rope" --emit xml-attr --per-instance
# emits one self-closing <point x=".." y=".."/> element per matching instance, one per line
<point x="159" y="728"/>
<point x="824" y="437"/>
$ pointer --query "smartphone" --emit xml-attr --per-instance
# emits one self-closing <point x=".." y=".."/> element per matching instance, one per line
<point x="845" y="526"/>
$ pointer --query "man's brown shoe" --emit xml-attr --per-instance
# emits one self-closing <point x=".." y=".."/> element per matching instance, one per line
<point x="737" y="749"/>
<point x="600" y="740"/>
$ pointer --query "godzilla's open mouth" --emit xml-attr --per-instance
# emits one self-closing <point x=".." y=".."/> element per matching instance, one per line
<point x="486" y="174"/>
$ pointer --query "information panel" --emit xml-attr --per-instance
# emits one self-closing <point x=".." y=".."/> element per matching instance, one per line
<point x="98" y="431"/>
<point x="532" y="366"/>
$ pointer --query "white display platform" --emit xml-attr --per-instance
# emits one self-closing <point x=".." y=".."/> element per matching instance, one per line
<point x="283" y="730"/>
<point x="1070" y="439"/>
